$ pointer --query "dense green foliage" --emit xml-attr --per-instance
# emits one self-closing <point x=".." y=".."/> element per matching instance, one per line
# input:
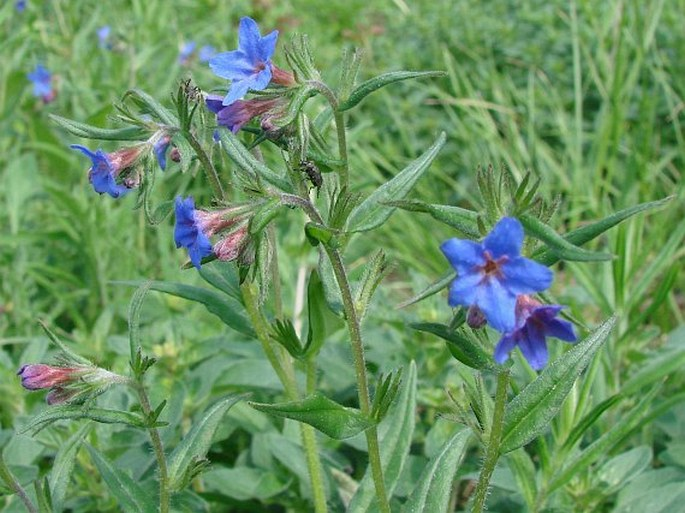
<point x="586" y="95"/>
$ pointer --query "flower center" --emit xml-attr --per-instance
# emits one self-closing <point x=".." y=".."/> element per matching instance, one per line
<point x="492" y="268"/>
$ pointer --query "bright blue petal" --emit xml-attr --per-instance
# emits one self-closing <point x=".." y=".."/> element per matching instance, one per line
<point x="187" y="232"/>
<point x="505" y="238"/>
<point x="101" y="174"/>
<point x="267" y="46"/>
<point x="237" y="91"/>
<point x="533" y="346"/>
<point x="464" y="255"/>
<point x="463" y="290"/>
<point x="261" y="80"/>
<point x="498" y="305"/>
<point x="505" y="345"/>
<point x="524" y="276"/>
<point x="233" y="65"/>
<point x="560" y="329"/>
<point x="248" y="38"/>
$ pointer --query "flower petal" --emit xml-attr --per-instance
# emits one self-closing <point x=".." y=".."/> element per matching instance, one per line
<point x="562" y="330"/>
<point x="505" y="238"/>
<point x="505" y="346"/>
<point x="498" y="305"/>
<point x="463" y="289"/>
<point x="248" y="38"/>
<point x="533" y="346"/>
<point x="238" y="89"/>
<point x="261" y="80"/>
<point x="524" y="276"/>
<point x="267" y="46"/>
<point x="464" y="255"/>
<point x="232" y="65"/>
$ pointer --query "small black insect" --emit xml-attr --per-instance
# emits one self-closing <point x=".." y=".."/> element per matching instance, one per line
<point x="312" y="171"/>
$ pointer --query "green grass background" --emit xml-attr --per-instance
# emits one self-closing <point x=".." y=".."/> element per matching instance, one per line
<point x="587" y="95"/>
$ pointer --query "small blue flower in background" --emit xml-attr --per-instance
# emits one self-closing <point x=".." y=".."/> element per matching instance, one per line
<point x="492" y="274"/>
<point x="189" y="231"/>
<point x="534" y="322"/>
<point x="42" y="83"/>
<point x="186" y="52"/>
<point x="206" y="53"/>
<point x="103" y="36"/>
<point x="20" y="5"/>
<point x="248" y="67"/>
<point x="106" y="167"/>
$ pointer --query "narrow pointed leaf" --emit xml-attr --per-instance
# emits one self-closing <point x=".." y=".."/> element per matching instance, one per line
<point x="366" y="88"/>
<point x="128" y="493"/>
<point x="588" y="420"/>
<point x="433" y="288"/>
<point x="395" y="435"/>
<point x="463" y="347"/>
<point x="197" y="442"/>
<point x="63" y="466"/>
<point x="557" y="244"/>
<point x="129" y="133"/>
<point x="319" y="411"/>
<point x="77" y="412"/>
<point x="434" y="488"/>
<point x="228" y="310"/>
<point x="152" y="105"/>
<point x="223" y="276"/>
<point x="373" y="212"/>
<point x="461" y="219"/>
<point x="587" y="233"/>
<point x="529" y="414"/>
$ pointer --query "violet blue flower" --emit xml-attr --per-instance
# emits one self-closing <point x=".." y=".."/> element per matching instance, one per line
<point x="534" y="322"/>
<point x="186" y="52"/>
<point x="235" y="115"/>
<point x="490" y="275"/>
<point x="160" y="148"/>
<point x="103" y="36"/>
<point x="20" y="5"/>
<point x="206" y="53"/>
<point x="106" y="168"/>
<point x="189" y="231"/>
<point x="248" y="67"/>
<point x="42" y="83"/>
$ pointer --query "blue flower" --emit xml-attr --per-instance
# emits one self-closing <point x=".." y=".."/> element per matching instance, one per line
<point x="20" y="5"/>
<point x="248" y="67"/>
<point x="189" y="231"/>
<point x="206" y="53"/>
<point x="160" y="148"/>
<point x="42" y="83"/>
<point x="107" y="167"/>
<point x="534" y="322"/>
<point x="186" y="52"/>
<point x="103" y="36"/>
<point x="235" y="115"/>
<point x="490" y="275"/>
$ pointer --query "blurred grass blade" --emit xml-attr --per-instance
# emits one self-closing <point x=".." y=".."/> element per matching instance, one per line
<point x="434" y="488"/>
<point x="558" y="244"/>
<point x="129" y="133"/>
<point x="587" y="233"/>
<point x="433" y="288"/>
<point x="588" y="420"/>
<point x="395" y="434"/>
<point x="462" y="346"/>
<point x="194" y="446"/>
<point x="130" y="496"/>
<point x="529" y="414"/>
<point x="372" y="212"/>
<point x="63" y="465"/>
<point x="324" y="414"/>
<point x="461" y="219"/>
<point x="369" y="86"/>
<point x="658" y="365"/>
<point x="523" y="468"/>
<point x="226" y="309"/>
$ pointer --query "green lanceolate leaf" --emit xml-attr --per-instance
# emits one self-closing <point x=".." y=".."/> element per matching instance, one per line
<point x="587" y="233"/>
<point x="528" y="415"/>
<point x="395" y="435"/>
<point x="557" y="244"/>
<point x="319" y="411"/>
<point x="462" y="346"/>
<point x="226" y="309"/>
<point x="434" y="488"/>
<point x="374" y="211"/>
<point x="63" y="466"/>
<point x="330" y="285"/>
<point x="248" y="163"/>
<point x="317" y="233"/>
<point x="134" y="318"/>
<point x="366" y="88"/>
<point x="433" y="288"/>
<point x="153" y="106"/>
<point x="376" y="269"/>
<point x="77" y="412"/>
<point x="461" y="219"/>
<point x="194" y="446"/>
<point x="130" y="496"/>
<point x="129" y="133"/>
<point x="322" y="321"/>
<point x="588" y="420"/>
<point x="223" y="276"/>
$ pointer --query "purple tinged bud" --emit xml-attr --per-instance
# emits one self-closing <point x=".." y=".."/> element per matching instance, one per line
<point x="38" y="376"/>
<point x="475" y="318"/>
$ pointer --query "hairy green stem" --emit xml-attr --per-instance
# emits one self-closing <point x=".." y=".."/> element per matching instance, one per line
<point x="210" y="170"/>
<point x="354" y="327"/>
<point x="158" y="449"/>
<point x="339" y="118"/>
<point x="12" y="483"/>
<point x="286" y="373"/>
<point x="494" y="441"/>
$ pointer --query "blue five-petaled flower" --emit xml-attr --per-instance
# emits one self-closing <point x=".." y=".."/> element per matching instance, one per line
<point x="534" y="322"/>
<point x="492" y="274"/>
<point x="248" y="67"/>
<point x="103" y="172"/>
<point x="188" y="231"/>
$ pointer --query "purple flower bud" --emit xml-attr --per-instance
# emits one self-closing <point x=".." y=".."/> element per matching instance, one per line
<point x="37" y="376"/>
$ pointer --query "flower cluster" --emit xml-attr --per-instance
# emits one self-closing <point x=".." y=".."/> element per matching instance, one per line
<point x="495" y="281"/>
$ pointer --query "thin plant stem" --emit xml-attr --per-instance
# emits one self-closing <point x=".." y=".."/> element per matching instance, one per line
<point x="339" y="118"/>
<point x="286" y="373"/>
<point x="354" y="328"/>
<point x="14" y="485"/>
<point x="494" y="441"/>
<point x="210" y="170"/>
<point x="158" y="449"/>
